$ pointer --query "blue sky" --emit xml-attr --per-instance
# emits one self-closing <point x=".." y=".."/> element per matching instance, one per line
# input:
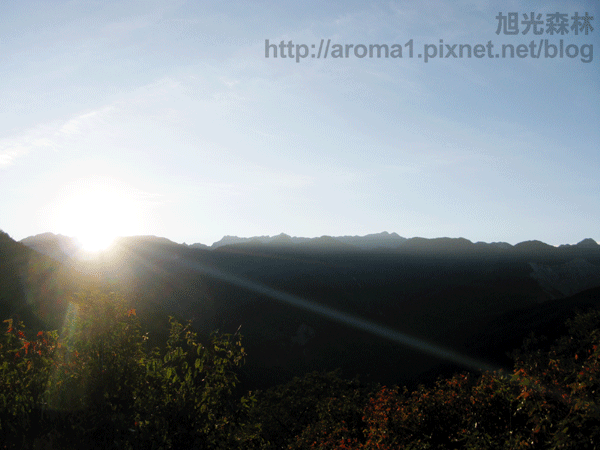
<point x="166" y="118"/>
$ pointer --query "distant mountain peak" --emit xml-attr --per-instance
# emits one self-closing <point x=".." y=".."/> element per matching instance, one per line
<point x="588" y="243"/>
<point x="56" y="246"/>
<point x="533" y="245"/>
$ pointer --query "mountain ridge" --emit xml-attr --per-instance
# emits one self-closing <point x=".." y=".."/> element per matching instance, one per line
<point x="59" y="246"/>
<point x="443" y="290"/>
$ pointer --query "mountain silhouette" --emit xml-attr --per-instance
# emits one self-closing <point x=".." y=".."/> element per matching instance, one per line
<point x="442" y="291"/>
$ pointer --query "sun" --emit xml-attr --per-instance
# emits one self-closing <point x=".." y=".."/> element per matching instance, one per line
<point x="95" y="240"/>
<point x="95" y="211"/>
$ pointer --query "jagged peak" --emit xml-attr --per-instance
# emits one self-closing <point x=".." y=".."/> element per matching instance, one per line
<point x="588" y="243"/>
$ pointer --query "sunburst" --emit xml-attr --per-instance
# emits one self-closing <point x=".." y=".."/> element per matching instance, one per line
<point x="95" y="211"/>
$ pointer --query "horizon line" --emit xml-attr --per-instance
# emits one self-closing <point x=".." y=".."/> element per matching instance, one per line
<point x="248" y="238"/>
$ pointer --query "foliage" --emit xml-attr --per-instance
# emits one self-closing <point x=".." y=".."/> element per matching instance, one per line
<point x="186" y="398"/>
<point x="25" y="365"/>
<point x="307" y="410"/>
<point x="549" y="401"/>
<point x="98" y="384"/>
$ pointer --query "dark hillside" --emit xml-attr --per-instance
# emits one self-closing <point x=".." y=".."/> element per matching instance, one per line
<point x="476" y="299"/>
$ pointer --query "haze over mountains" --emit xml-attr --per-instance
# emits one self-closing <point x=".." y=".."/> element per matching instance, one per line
<point x="370" y="241"/>
<point x="479" y="299"/>
<point x="53" y="245"/>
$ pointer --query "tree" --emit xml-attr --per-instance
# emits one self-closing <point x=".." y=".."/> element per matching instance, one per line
<point x="99" y="385"/>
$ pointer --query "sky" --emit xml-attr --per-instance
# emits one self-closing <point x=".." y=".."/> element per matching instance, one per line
<point x="178" y="119"/>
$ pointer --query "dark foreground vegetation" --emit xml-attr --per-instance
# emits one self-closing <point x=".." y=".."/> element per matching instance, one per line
<point x="101" y="382"/>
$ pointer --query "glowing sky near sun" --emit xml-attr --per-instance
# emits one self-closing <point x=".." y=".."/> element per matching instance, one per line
<point x="166" y="118"/>
<point x="95" y="211"/>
